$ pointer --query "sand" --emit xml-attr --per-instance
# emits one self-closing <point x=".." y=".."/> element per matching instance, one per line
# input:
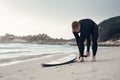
<point x="107" y="67"/>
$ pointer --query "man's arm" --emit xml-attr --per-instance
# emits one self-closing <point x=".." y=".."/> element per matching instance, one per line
<point x="76" y="37"/>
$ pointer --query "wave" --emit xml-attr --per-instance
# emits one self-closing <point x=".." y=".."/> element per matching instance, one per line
<point x="14" y="47"/>
<point x="11" y="52"/>
<point x="21" y="58"/>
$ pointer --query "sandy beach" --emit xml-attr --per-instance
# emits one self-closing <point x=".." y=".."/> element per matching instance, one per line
<point x="107" y="67"/>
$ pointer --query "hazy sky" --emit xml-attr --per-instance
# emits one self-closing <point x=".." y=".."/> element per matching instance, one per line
<point x="52" y="17"/>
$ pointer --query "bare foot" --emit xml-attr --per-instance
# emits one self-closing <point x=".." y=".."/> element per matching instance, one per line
<point x="88" y="54"/>
<point x="82" y="59"/>
<point x="93" y="59"/>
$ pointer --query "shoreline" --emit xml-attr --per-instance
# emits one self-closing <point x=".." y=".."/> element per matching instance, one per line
<point x="31" y="59"/>
<point x="27" y="60"/>
<point x="17" y="62"/>
<point x="103" y="45"/>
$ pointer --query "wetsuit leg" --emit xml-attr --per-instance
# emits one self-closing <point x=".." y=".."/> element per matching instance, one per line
<point x="88" y="43"/>
<point x="94" y="40"/>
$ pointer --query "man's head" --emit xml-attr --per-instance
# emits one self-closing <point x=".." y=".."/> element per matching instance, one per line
<point x="75" y="26"/>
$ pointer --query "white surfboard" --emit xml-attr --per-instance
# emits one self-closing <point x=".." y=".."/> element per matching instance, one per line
<point x="60" y="61"/>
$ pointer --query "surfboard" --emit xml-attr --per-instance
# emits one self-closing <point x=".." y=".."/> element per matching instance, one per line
<point x="67" y="59"/>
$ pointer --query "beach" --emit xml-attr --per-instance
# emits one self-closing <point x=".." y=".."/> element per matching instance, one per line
<point x="107" y="67"/>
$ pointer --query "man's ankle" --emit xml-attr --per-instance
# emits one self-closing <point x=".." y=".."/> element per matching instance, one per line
<point x="93" y="58"/>
<point x="82" y="59"/>
<point x="88" y="53"/>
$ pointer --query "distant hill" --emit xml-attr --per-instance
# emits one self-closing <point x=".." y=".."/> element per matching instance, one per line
<point x="36" y="39"/>
<point x="109" y="29"/>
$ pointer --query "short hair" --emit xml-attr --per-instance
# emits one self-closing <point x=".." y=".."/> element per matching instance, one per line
<point x="75" y="25"/>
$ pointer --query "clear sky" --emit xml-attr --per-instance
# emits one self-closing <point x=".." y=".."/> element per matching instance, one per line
<point x="52" y="17"/>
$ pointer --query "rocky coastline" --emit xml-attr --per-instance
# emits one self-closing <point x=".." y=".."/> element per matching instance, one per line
<point x="33" y="39"/>
<point x="45" y="39"/>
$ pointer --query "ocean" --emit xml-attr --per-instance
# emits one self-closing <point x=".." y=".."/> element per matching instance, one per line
<point x="16" y="52"/>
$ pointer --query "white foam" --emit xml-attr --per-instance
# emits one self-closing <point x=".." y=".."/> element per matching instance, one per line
<point x="16" y="62"/>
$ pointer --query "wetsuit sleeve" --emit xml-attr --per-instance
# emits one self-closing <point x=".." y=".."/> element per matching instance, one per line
<point x="76" y="37"/>
<point x="80" y="43"/>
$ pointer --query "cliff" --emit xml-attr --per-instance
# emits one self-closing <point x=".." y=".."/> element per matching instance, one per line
<point x="109" y="29"/>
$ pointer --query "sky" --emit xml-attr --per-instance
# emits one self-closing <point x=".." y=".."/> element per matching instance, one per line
<point x="52" y="17"/>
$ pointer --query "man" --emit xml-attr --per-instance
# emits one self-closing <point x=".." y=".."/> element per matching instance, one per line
<point x="88" y="30"/>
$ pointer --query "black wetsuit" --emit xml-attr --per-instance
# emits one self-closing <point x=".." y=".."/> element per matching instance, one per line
<point x="88" y="31"/>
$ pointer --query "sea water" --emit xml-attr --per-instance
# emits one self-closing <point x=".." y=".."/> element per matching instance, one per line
<point x="16" y="52"/>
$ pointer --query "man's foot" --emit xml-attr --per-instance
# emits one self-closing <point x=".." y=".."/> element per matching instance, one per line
<point x="93" y="59"/>
<point x="82" y="59"/>
<point x="87" y="54"/>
